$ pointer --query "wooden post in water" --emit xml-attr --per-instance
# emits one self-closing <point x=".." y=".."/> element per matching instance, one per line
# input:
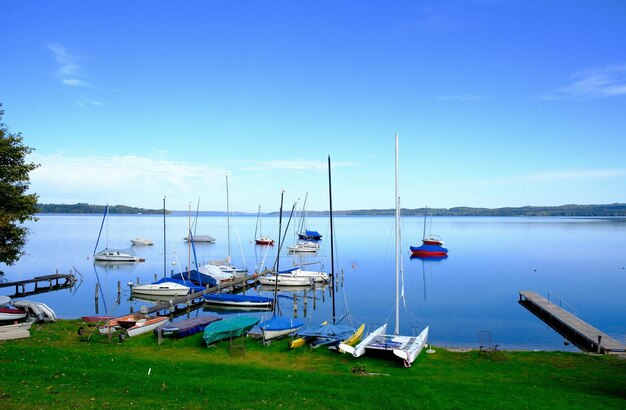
<point x="97" y="292"/>
<point x="304" y="303"/>
<point x="119" y="289"/>
<point x="295" y="305"/>
<point x="314" y="298"/>
<point x="137" y="280"/>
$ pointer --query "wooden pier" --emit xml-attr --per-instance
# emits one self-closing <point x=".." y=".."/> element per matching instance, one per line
<point x="581" y="334"/>
<point x="196" y="299"/>
<point x="53" y="283"/>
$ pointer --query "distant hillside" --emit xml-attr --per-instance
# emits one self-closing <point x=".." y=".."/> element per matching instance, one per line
<point x="82" y="208"/>
<point x="562" y="210"/>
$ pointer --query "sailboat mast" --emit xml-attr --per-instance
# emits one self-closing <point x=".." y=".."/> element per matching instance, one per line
<point x="425" y="212"/>
<point x="189" y="241"/>
<point x="256" y="228"/>
<point x="332" y="256"/>
<point x="164" y="243"/>
<point x="397" y="198"/>
<point x="228" y="217"/>
<point x="280" y="227"/>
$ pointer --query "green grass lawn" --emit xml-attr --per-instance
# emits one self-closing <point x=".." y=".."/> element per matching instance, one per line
<point x="55" y="369"/>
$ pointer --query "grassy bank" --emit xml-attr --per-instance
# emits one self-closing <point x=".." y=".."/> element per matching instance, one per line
<point x="53" y="368"/>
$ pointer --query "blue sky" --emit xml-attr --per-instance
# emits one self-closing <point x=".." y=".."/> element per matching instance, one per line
<point x="496" y="103"/>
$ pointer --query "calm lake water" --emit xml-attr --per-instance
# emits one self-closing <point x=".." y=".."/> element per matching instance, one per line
<point x="582" y="260"/>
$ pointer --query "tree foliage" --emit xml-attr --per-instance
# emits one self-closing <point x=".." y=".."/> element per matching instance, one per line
<point x="16" y="205"/>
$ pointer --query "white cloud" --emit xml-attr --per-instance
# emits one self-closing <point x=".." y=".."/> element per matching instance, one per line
<point x="599" y="82"/>
<point x="295" y="165"/>
<point x="69" y="71"/>
<point x="129" y="179"/>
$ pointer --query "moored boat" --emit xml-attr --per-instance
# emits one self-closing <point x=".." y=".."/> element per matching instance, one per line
<point x="162" y="287"/>
<point x="429" y="250"/>
<point x="238" y="300"/>
<point x="142" y="242"/>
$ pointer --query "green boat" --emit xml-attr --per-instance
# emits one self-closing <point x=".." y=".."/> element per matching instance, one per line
<point x="234" y="326"/>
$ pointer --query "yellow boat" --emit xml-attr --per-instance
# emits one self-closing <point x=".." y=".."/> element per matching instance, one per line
<point x="355" y="338"/>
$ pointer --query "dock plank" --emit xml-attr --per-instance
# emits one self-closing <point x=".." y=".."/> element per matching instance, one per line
<point x="607" y="344"/>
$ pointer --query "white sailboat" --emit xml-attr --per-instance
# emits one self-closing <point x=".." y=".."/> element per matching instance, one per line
<point x="225" y="265"/>
<point x="113" y="255"/>
<point x="405" y="347"/>
<point x="198" y="238"/>
<point x="261" y="239"/>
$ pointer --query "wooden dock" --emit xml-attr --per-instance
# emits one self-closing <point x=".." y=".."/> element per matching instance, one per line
<point x="581" y="334"/>
<point x="193" y="300"/>
<point x="53" y="282"/>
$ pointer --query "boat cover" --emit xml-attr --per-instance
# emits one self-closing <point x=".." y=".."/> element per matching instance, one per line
<point x="234" y="326"/>
<point x="196" y="277"/>
<point x="280" y="323"/>
<point x="327" y="331"/>
<point x="188" y="327"/>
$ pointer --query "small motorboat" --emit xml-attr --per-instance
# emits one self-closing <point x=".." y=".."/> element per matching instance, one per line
<point x="264" y="240"/>
<point x="142" y="242"/>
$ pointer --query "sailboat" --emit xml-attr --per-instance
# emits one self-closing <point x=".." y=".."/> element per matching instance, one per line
<point x="113" y="255"/>
<point x="165" y="286"/>
<point x="261" y="239"/>
<point x="330" y="333"/>
<point x="225" y="264"/>
<point x="278" y="326"/>
<point x="431" y="244"/>
<point x="405" y="347"/>
<point x="198" y="238"/>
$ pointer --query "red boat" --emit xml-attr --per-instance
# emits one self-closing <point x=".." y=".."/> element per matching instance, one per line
<point x="264" y="240"/>
<point x="428" y="250"/>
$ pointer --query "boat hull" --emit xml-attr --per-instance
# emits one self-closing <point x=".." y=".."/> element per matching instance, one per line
<point x="146" y="326"/>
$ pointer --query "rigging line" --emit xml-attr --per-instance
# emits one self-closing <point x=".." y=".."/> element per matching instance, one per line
<point x="243" y="257"/>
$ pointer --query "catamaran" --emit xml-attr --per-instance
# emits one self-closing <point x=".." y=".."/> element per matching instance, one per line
<point x="405" y="347"/>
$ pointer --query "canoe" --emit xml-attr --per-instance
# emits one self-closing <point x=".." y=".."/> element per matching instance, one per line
<point x="146" y="325"/>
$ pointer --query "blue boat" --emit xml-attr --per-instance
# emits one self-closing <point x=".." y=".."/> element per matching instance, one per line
<point x="310" y="235"/>
<point x="279" y="326"/>
<point x="187" y="327"/>
<point x="238" y="300"/>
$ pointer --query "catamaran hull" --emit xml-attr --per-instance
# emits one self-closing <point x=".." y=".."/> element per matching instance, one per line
<point x="411" y="351"/>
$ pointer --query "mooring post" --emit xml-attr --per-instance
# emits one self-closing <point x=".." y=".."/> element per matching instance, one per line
<point x="599" y="342"/>
<point x="304" y="303"/>
<point x="96" y="292"/>
<point x="295" y="305"/>
<point x="119" y="289"/>
<point x="137" y="280"/>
